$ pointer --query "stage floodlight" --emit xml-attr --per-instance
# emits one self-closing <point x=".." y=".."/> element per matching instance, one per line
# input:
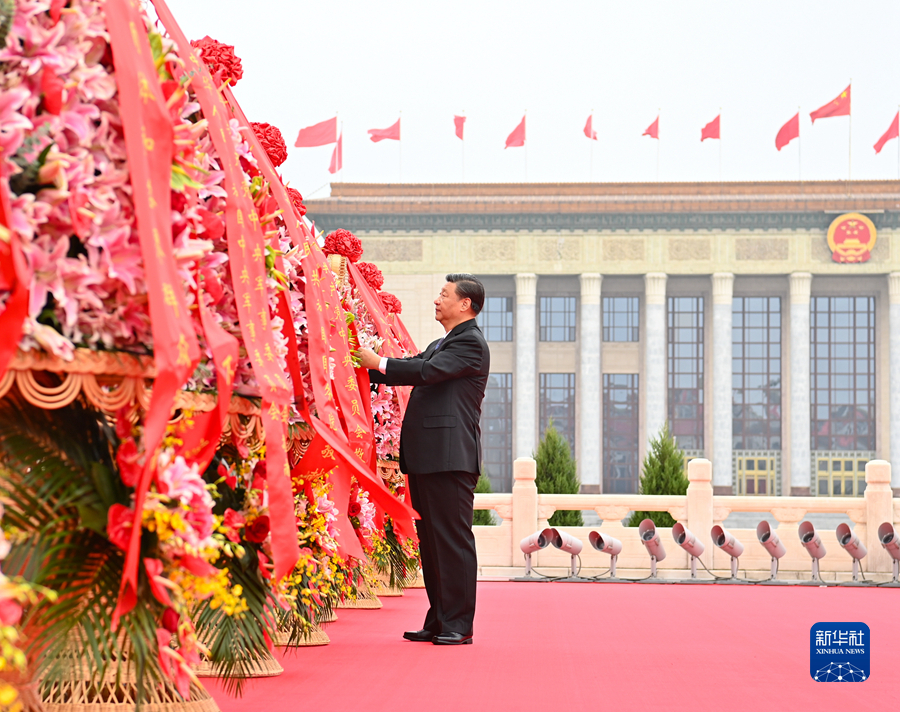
<point x="852" y="545"/>
<point x="812" y="542"/>
<point x="727" y="542"/>
<point x="530" y="544"/>
<point x="690" y="543"/>
<point x="772" y="544"/>
<point x="891" y="543"/>
<point x="608" y="545"/>
<point x="569" y="544"/>
<point x="651" y="541"/>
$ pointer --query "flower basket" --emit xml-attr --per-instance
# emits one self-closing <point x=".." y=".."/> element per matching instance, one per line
<point x="338" y="265"/>
<point x="264" y="666"/>
<point x="316" y="636"/>
<point x="111" y="380"/>
<point x="327" y="616"/>
<point x="390" y="472"/>
<point x="74" y="690"/>
<point x="383" y="586"/>
<point x="365" y="599"/>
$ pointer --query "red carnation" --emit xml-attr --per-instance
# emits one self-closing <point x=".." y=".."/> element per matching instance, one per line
<point x="391" y="303"/>
<point x="345" y="243"/>
<point x="223" y="64"/>
<point x="372" y="275"/>
<point x="119" y="523"/>
<point x="272" y="141"/>
<point x="354" y="509"/>
<point x="257" y="530"/>
<point x="297" y="201"/>
<point x="232" y="522"/>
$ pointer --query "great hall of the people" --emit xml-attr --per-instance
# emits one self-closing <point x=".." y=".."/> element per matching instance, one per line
<point x="761" y="321"/>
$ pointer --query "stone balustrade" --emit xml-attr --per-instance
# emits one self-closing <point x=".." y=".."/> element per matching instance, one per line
<point x="524" y="511"/>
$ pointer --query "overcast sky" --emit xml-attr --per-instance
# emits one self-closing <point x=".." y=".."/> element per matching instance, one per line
<point x="305" y="60"/>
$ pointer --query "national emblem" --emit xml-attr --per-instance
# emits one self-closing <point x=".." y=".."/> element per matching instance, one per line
<point x="851" y="237"/>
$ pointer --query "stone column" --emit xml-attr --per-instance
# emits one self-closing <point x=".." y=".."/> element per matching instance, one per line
<point x="894" y="379"/>
<point x="526" y="365"/>
<point x="722" y="291"/>
<point x="655" y="382"/>
<point x="590" y="384"/>
<point x="879" y="509"/>
<point x="801" y="284"/>
<point x="524" y="504"/>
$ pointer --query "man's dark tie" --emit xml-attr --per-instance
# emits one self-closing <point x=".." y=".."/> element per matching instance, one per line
<point x="439" y="344"/>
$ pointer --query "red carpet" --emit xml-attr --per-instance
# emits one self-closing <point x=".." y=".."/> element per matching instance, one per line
<point x="591" y="647"/>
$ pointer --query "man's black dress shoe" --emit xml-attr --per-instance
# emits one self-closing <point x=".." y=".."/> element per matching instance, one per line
<point x="419" y="636"/>
<point x="452" y="639"/>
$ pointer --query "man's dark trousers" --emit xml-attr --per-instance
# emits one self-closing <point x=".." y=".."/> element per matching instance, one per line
<point x="447" y="546"/>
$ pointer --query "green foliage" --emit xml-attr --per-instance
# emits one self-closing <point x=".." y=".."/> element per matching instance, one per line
<point x="556" y="474"/>
<point x="663" y="473"/>
<point x="482" y="517"/>
<point x="58" y="480"/>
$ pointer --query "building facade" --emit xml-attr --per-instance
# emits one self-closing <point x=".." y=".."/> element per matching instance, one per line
<point x="760" y="321"/>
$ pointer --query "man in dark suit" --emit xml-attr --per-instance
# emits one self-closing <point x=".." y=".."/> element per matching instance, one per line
<point x="440" y="450"/>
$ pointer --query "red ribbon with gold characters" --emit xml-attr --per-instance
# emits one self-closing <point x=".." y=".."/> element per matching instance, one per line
<point x="14" y="279"/>
<point x="200" y="441"/>
<point x="149" y="142"/>
<point x="347" y="432"/>
<point x="246" y="254"/>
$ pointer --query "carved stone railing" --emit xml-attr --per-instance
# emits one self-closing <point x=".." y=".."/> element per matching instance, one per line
<point x="524" y="511"/>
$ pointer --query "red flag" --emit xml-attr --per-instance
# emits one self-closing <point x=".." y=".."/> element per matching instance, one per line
<point x="459" y="122"/>
<point x="589" y="128"/>
<point x="320" y="134"/>
<point x="337" y="156"/>
<point x="892" y="132"/>
<point x="517" y="137"/>
<point x="711" y="130"/>
<point x="652" y="130"/>
<point x="788" y="132"/>
<point x="391" y="132"/>
<point x="838" y="107"/>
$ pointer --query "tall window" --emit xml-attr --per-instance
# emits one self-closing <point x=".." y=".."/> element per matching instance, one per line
<point x="558" y="404"/>
<point x="557" y="318"/>
<point x="621" y="319"/>
<point x="496" y="319"/>
<point x="756" y="373"/>
<point x="621" y="468"/>
<point x="842" y="373"/>
<point x="497" y="431"/>
<point x="686" y="371"/>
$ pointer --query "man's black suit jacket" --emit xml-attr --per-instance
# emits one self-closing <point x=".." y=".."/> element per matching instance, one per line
<point x="441" y="430"/>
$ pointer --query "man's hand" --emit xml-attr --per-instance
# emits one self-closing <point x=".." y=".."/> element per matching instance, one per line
<point x="369" y="359"/>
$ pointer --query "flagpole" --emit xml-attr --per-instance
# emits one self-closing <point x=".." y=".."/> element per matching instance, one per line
<point x="591" y="141"/>
<point x="658" y="141"/>
<point x="799" y="149"/>
<point x="526" y="145"/>
<point x="720" y="144"/>
<point x="898" y="148"/>
<point x="341" y="139"/>
<point x="849" y="144"/>
<point x="463" y="142"/>
<point x="400" y="148"/>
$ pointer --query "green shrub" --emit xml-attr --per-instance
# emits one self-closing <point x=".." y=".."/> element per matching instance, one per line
<point x="482" y="517"/>
<point x="556" y="474"/>
<point x="663" y="473"/>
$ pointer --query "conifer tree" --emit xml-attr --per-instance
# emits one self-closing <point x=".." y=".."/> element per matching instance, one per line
<point x="483" y="517"/>
<point x="663" y="473"/>
<point x="556" y="474"/>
